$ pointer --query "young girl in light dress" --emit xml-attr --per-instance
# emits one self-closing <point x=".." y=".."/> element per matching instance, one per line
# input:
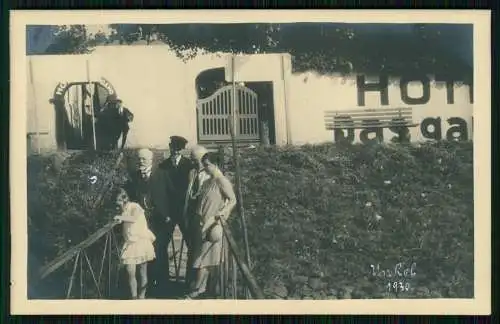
<point x="138" y="248"/>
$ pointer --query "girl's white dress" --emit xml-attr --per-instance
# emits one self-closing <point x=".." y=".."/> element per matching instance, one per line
<point x="138" y="246"/>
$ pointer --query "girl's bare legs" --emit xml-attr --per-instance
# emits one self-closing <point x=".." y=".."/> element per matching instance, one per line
<point x="132" y="280"/>
<point x="143" y="274"/>
<point x="201" y="280"/>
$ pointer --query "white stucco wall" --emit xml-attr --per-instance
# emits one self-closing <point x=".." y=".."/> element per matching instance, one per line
<point x="160" y="90"/>
<point x="153" y="83"/>
<point x="48" y="72"/>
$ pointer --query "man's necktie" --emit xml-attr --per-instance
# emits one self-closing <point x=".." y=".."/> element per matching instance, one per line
<point x="196" y="185"/>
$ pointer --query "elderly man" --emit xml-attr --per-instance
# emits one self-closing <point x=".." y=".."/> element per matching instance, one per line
<point x="143" y="187"/>
<point x="146" y="188"/>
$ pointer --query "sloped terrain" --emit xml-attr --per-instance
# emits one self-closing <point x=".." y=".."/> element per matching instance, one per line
<point x="324" y="221"/>
<point x="319" y="217"/>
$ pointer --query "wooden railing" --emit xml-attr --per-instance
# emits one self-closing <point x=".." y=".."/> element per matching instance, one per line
<point x="84" y="264"/>
<point x="237" y="262"/>
<point x="232" y="280"/>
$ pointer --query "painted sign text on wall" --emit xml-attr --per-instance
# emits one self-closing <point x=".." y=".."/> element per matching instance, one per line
<point x="383" y="88"/>
<point x="431" y="127"/>
<point x="62" y="87"/>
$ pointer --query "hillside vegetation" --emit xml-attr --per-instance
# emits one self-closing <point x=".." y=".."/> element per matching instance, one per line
<point x="324" y="221"/>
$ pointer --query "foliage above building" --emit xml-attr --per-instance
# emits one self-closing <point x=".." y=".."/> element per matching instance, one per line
<point x="402" y="49"/>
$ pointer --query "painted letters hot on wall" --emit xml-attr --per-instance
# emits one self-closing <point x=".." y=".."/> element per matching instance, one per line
<point x="441" y="108"/>
<point x="382" y="86"/>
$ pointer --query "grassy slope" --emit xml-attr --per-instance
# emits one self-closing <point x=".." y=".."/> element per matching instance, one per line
<point x="318" y="216"/>
<point x="309" y="214"/>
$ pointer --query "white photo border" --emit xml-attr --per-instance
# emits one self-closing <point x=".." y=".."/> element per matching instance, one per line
<point x="480" y="305"/>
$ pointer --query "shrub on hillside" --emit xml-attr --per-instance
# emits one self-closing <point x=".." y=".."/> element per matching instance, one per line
<point x="61" y="199"/>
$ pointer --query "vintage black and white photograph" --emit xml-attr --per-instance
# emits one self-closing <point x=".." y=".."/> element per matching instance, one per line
<point x="301" y="160"/>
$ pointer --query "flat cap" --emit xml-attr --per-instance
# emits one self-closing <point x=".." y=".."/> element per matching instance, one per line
<point x="178" y="142"/>
<point x="113" y="98"/>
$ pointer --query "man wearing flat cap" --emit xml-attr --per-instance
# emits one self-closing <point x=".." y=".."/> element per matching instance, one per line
<point x="175" y="177"/>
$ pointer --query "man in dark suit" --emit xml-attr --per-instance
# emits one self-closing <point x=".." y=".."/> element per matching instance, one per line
<point x="146" y="187"/>
<point x="175" y="177"/>
<point x="112" y="122"/>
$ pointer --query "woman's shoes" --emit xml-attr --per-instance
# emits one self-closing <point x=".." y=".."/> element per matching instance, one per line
<point x="194" y="294"/>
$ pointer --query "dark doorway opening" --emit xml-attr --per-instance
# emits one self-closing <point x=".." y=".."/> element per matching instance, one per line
<point x="266" y="108"/>
<point x="74" y="123"/>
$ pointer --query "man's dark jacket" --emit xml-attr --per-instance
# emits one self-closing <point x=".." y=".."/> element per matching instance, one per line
<point x="150" y="193"/>
<point x="176" y="180"/>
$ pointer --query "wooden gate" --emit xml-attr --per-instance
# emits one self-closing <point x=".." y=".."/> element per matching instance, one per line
<point x="214" y="115"/>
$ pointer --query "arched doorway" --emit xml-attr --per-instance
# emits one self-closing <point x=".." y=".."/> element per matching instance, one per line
<point x="75" y="103"/>
<point x="254" y="110"/>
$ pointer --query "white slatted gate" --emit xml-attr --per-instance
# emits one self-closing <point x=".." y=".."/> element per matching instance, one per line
<point x="214" y="114"/>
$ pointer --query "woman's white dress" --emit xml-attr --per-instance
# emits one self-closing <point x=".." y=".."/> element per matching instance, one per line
<point x="138" y="246"/>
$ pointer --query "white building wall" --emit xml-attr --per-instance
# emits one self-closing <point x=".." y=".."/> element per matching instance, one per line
<point x="159" y="89"/>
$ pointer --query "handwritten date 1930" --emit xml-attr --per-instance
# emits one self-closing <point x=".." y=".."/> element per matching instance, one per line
<point x="397" y="286"/>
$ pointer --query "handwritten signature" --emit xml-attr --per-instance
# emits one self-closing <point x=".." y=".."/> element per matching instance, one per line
<point x="400" y="270"/>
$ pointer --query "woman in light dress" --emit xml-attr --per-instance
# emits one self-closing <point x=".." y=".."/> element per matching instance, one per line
<point x="137" y="248"/>
<point x="214" y="198"/>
